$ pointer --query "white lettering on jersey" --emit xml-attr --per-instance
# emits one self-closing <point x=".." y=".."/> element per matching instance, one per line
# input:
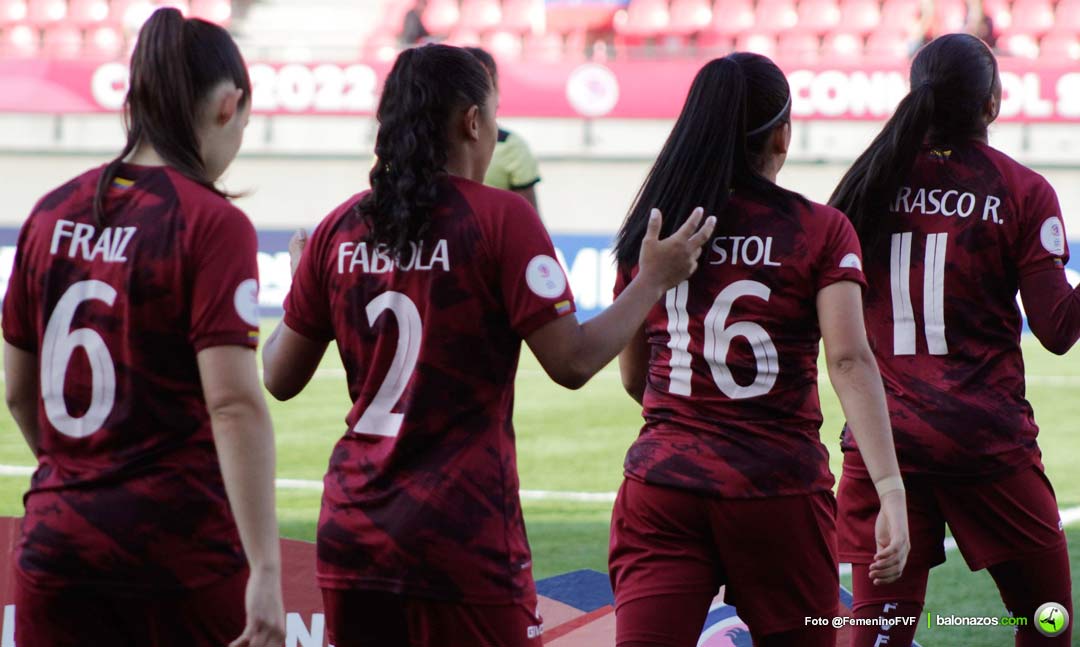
<point x="353" y="257"/>
<point x="111" y="245"/>
<point x="742" y="250"/>
<point x="944" y="202"/>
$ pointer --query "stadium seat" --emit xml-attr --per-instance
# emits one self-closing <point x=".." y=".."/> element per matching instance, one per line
<point x="543" y="47"/>
<point x="12" y="11"/>
<point x="104" y="43"/>
<point x="759" y="43"/>
<point x="62" y="41"/>
<point x="949" y="16"/>
<point x="461" y="37"/>
<point x="88" y="12"/>
<point x="522" y="16"/>
<point x="730" y="18"/>
<point x="1032" y="17"/>
<point x="1060" y="46"/>
<point x="898" y="14"/>
<point x="797" y="47"/>
<point x="887" y="46"/>
<point x="842" y="48"/>
<point x="480" y="15"/>
<point x="1019" y="44"/>
<point x="441" y="16"/>
<point x="1000" y="13"/>
<point x="504" y="45"/>
<point x="132" y="13"/>
<point x="860" y="16"/>
<point x="219" y="11"/>
<point x="575" y="16"/>
<point x="642" y="19"/>
<point x="775" y="16"/>
<point x="1067" y="17"/>
<point x="46" y="12"/>
<point x="818" y="16"/>
<point x="19" y="41"/>
<point x="689" y="17"/>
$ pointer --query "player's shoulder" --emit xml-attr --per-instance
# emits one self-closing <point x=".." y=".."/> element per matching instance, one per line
<point x="1019" y="177"/>
<point x="80" y="187"/>
<point x="198" y="201"/>
<point x="488" y="202"/>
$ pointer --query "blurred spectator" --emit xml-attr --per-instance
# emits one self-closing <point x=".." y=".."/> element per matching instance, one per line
<point x="413" y="31"/>
<point x="513" y="166"/>
<point x="980" y="24"/>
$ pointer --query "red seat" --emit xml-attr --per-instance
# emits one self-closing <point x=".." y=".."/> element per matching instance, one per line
<point x="949" y="16"/>
<point x="859" y="16"/>
<point x="758" y="43"/>
<point x="219" y="11"/>
<point x="133" y="13"/>
<point x="887" y="45"/>
<point x="1032" y="17"/>
<point x="568" y="18"/>
<point x="842" y="48"/>
<point x="1067" y="17"/>
<point x="642" y="19"/>
<point x="441" y="16"/>
<point x="731" y="18"/>
<point x="999" y="13"/>
<point x="818" y="16"/>
<point x="88" y="12"/>
<point x="899" y="14"/>
<point x="20" y="41"/>
<point x="46" y="12"/>
<point x="1059" y="46"/>
<point x="463" y="38"/>
<point x="522" y="16"/>
<point x="104" y="43"/>
<point x="546" y="47"/>
<point x="480" y="15"/>
<point x="775" y="16"/>
<point x="504" y="45"/>
<point x="798" y="47"/>
<point x="1019" y="44"/>
<point x="12" y="11"/>
<point x="689" y="16"/>
<point x="62" y="41"/>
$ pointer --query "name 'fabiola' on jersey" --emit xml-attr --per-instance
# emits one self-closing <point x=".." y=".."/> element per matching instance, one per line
<point x="378" y="261"/>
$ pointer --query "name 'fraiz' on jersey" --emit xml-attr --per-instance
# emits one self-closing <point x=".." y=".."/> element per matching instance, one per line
<point x="946" y="202"/>
<point x="355" y="256"/>
<point x="110" y="245"/>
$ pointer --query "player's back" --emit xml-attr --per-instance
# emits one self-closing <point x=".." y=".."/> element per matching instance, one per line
<point x="731" y="404"/>
<point x="421" y="495"/>
<point x="941" y="308"/>
<point x="128" y="492"/>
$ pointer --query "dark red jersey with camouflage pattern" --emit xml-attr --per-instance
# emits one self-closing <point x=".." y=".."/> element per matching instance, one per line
<point x="421" y="496"/>
<point x="128" y="492"/>
<point x="731" y="404"/>
<point x="942" y="314"/>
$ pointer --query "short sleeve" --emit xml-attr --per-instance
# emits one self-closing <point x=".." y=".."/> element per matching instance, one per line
<point x="17" y="319"/>
<point x="841" y="255"/>
<point x="521" y="168"/>
<point x="307" y="306"/>
<point x="533" y="284"/>
<point x="623" y="276"/>
<point x="1042" y="243"/>
<point x="224" y="281"/>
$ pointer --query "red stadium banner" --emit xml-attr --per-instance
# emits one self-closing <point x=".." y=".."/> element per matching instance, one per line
<point x="618" y="89"/>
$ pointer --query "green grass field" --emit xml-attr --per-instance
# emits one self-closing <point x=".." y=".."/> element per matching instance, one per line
<point x="575" y="441"/>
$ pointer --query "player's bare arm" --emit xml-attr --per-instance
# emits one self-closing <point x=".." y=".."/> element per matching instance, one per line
<point x="571" y="353"/>
<point x="21" y="378"/>
<point x="244" y="439"/>
<point x="854" y="373"/>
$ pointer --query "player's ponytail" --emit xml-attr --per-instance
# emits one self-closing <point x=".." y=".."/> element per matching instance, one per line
<point x="426" y="87"/>
<point x="176" y="63"/>
<point x="715" y="147"/>
<point x="952" y="78"/>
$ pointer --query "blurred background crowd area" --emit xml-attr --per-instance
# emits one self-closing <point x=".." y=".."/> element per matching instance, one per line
<point x="832" y="32"/>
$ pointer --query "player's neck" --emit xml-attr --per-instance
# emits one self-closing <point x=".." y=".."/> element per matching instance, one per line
<point x="145" y="155"/>
<point x="466" y="167"/>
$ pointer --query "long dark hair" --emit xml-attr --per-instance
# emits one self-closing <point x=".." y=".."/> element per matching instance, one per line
<point x="176" y="63"/>
<point x="716" y="145"/>
<point x="427" y="86"/>
<point x="952" y="78"/>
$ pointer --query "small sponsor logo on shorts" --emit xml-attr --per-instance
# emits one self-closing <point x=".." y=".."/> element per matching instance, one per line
<point x="1051" y="619"/>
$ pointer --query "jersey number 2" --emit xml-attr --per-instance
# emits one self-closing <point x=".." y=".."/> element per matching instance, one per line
<point x="378" y="418"/>
<point x="718" y="338"/>
<point x="933" y="294"/>
<point x="56" y="350"/>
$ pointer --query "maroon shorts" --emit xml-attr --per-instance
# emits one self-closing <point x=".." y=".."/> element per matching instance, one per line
<point x="212" y="616"/>
<point x="378" y="619"/>
<point x="996" y="521"/>
<point x="776" y="556"/>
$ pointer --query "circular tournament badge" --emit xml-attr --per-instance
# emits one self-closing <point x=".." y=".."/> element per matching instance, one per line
<point x="592" y="90"/>
<point x="545" y="277"/>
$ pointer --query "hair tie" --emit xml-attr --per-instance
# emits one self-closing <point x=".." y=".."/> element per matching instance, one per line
<point x="772" y="122"/>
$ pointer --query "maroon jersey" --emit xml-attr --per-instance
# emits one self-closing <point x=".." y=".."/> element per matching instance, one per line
<point x="731" y="403"/>
<point x="128" y="493"/>
<point x="941" y="309"/>
<point x="421" y="496"/>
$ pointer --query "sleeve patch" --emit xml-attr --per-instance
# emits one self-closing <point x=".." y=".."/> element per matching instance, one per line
<point x="246" y="301"/>
<point x="1052" y="236"/>
<point x="545" y="277"/>
<point x="851" y="261"/>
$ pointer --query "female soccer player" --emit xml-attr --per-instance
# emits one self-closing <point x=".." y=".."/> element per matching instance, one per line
<point x="130" y="324"/>
<point x="728" y="483"/>
<point x="429" y="283"/>
<point x="952" y="229"/>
